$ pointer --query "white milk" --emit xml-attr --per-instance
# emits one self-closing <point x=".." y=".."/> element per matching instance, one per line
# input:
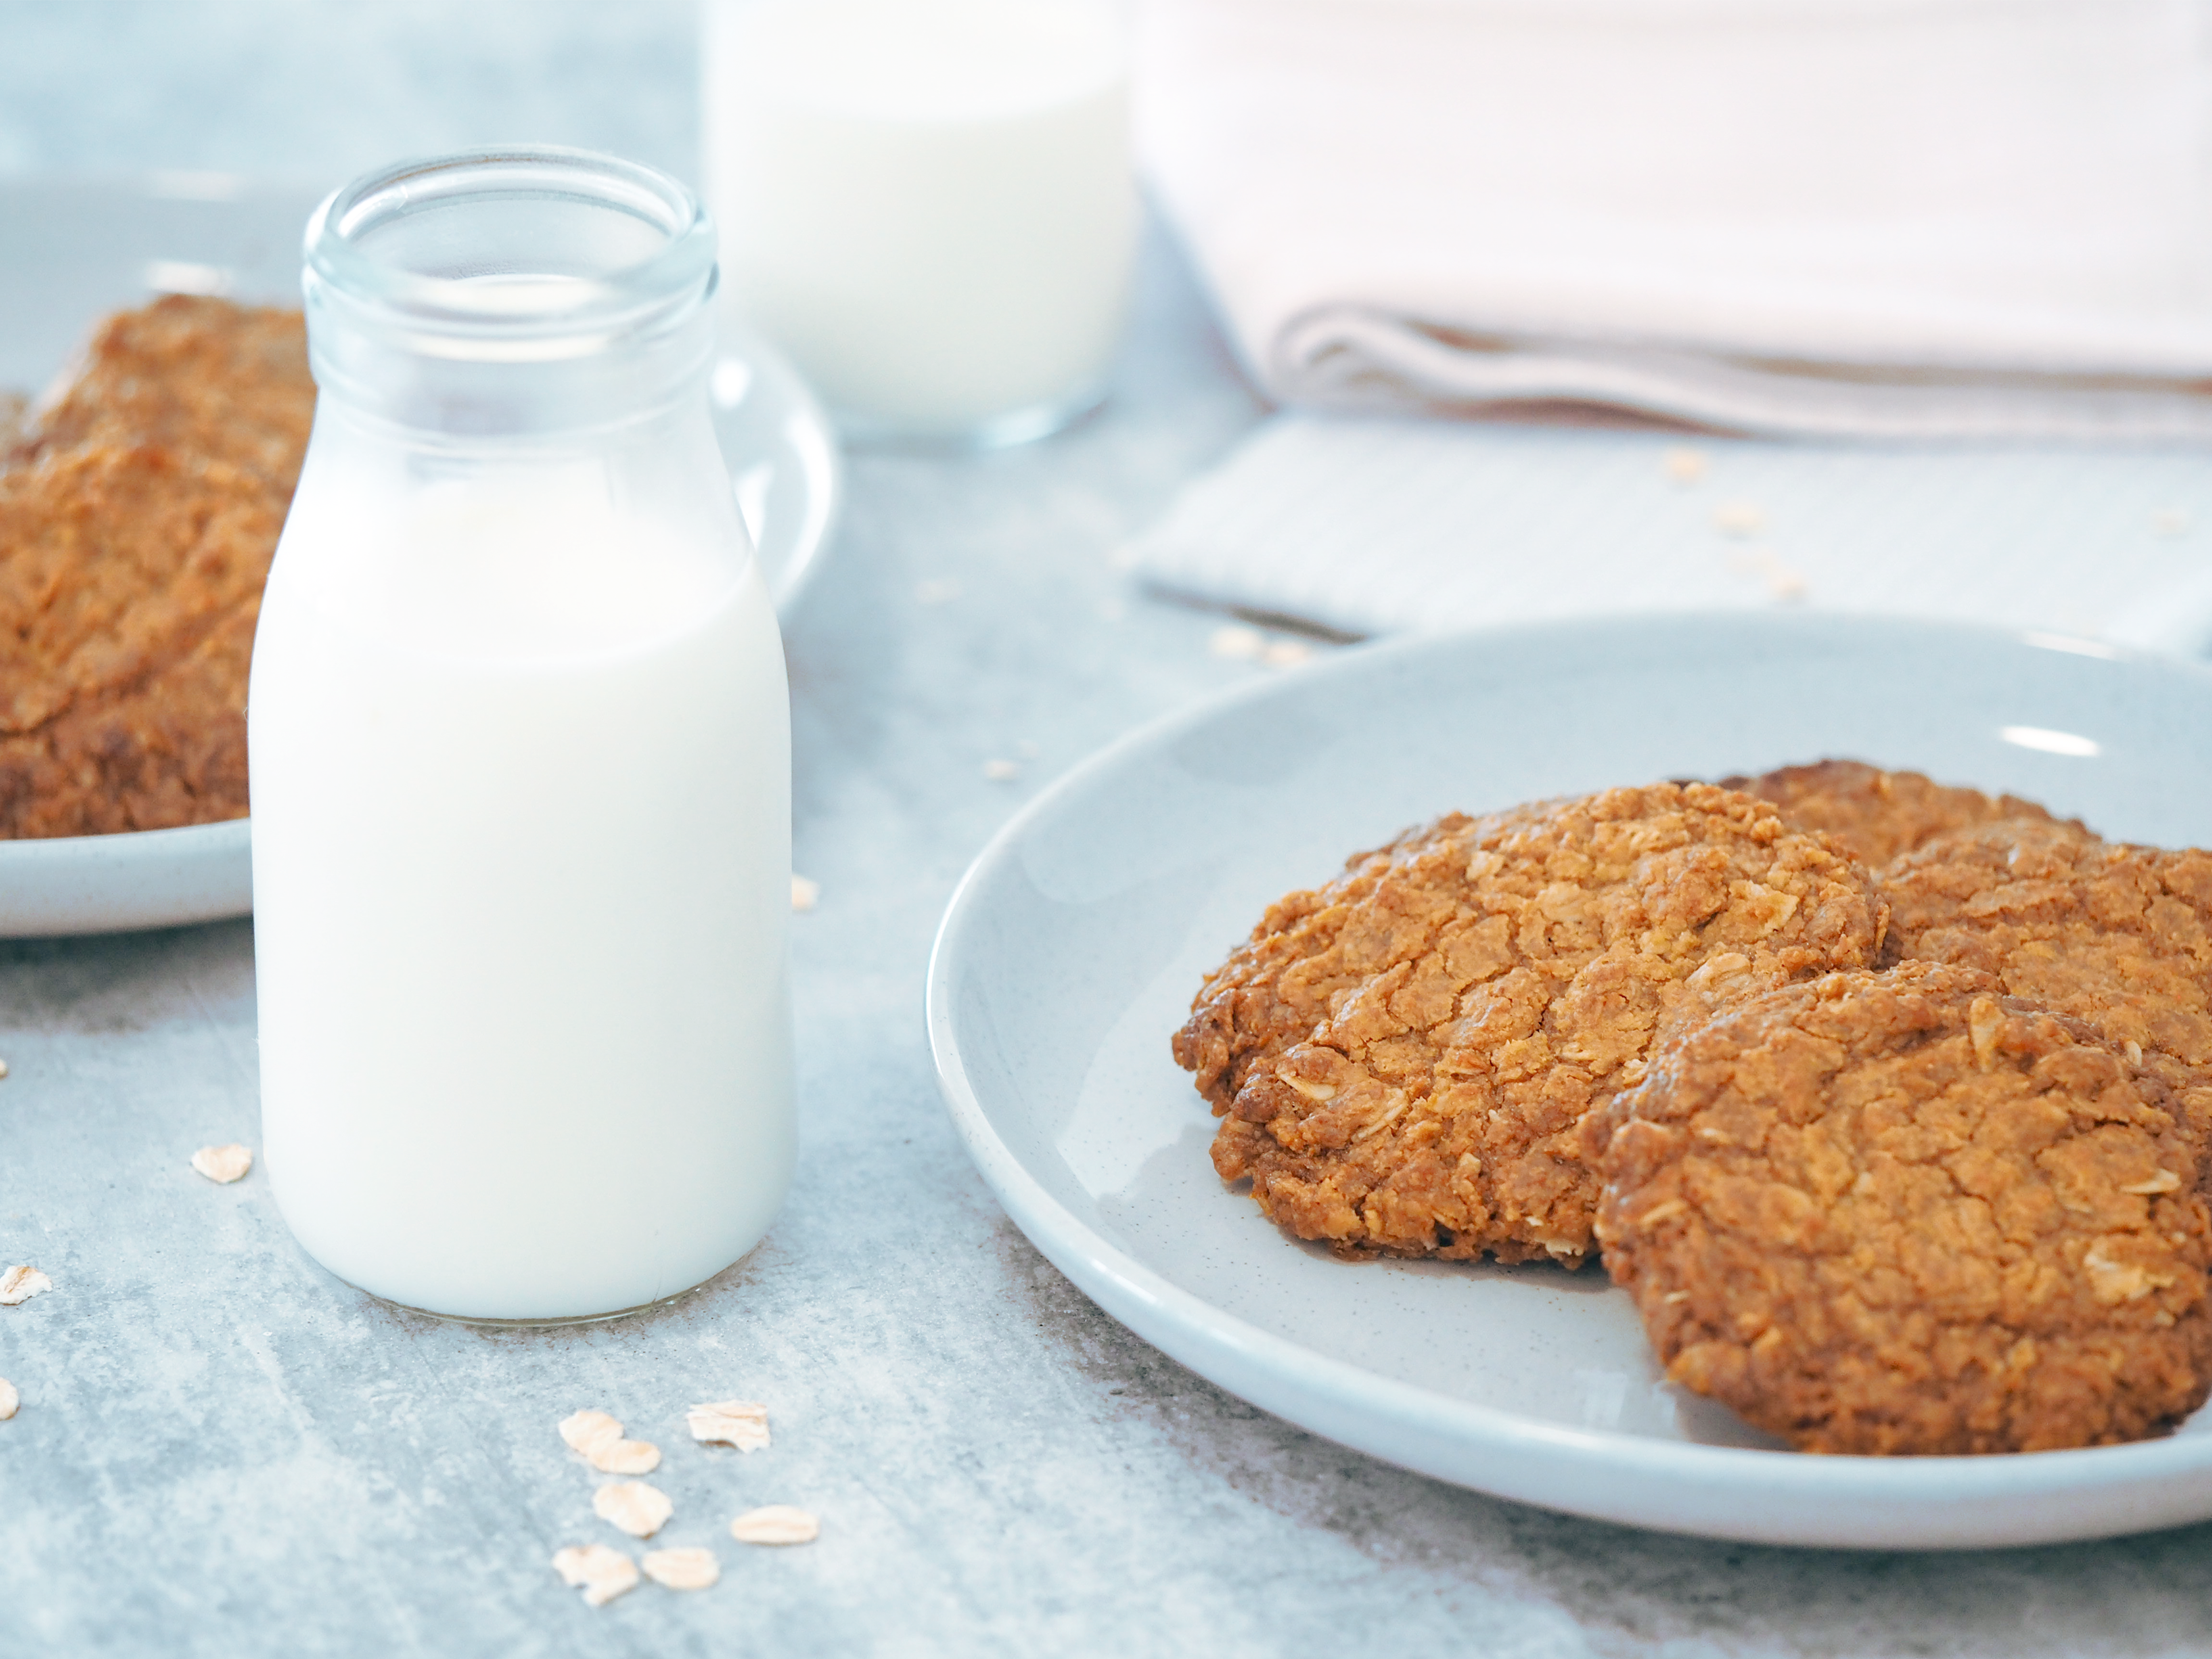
<point x="928" y="203"/>
<point x="521" y="813"/>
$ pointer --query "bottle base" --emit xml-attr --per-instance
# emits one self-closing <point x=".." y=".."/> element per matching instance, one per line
<point x="539" y="1322"/>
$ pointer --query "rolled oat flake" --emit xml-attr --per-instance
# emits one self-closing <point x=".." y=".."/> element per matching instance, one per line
<point x="740" y="1423"/>
<point x="223" y="1165"/>
<point x="598" y="1438"/>
<point x="638" y="1508"/>
<point x="604" y="1573"/>
<point x="778" y="1523"/>
<point x="682" y="1569"/>
<point x="626" y="1457"/>
<point x="587" y="1430"/>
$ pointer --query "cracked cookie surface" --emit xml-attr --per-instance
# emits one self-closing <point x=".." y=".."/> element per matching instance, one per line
<point x="1876" y="815"/>
<point x="2119" y="935"/>
<point x="130" y="589"/>
<point x="138" y="515"/>
<point x="204" y="377"/>
<point x="1403" y="1056"/>
<point x="1903" y="1212"/>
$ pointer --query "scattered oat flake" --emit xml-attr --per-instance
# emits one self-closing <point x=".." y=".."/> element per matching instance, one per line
<point x="8" y="1400"/>
<point x="1784" y="583"/>
<point x="1002" y="771"/>
<point x="740" y="1423"/>
<point x="1286" y="654"/>
<point x="684" y="1569"/>
<point x="4" y="1068"/>
<point x="805" y="894"/>
<point x="1739" y="518"/>
<point x="625" y="1457"/>
<point x="1027" y="748"/>
<point x="223" y="1165"/>
<point x="2171" y="522"/>
<point x="938" y="591"/>
<point x="1237" y="643"/>
<point x="604" y="1573"/>
<point x="639" y="1510"/>
<point x="588" y="1430"/>
<point x="1685" y="466"/>
<point x="20" y="1284"/>
<point x="778" y="1523"/>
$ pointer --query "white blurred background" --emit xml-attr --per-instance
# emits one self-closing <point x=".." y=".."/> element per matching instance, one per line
<point x="100" y="85"/>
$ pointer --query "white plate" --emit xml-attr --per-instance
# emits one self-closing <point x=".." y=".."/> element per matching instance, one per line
<point x="76" y="248"/>
<point x="1073" y="947"/>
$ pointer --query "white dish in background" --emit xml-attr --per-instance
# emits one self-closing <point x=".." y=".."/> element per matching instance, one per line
<point x="1072" y="949"/>
<point x="78" y="248"/>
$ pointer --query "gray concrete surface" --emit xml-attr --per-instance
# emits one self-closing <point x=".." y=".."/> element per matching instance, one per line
<point x="221" y="1451"/>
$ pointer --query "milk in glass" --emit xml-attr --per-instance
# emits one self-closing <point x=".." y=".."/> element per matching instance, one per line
<point x="927" y="203"/>
<point x="520" y="761"/>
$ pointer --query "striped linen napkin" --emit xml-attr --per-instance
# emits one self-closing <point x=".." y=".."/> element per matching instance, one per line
<point x="1374" y="525"/>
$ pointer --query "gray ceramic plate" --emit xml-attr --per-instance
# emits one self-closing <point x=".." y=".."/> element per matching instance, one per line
<point x="1072" y="949"/>
<point x="73" y="249"/>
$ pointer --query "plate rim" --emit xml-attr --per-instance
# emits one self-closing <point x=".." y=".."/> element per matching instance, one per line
<point x="1222" y="1346"/>
<point x="132" y="842"/>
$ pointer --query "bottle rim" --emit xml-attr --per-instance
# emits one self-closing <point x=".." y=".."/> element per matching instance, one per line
<point x="342" y="251"/>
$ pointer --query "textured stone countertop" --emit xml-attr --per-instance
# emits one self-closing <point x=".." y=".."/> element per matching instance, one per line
<point x="224" y="1451"/>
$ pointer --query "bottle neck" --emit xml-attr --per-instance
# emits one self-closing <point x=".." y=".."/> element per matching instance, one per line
<point x="383" y="373"/>
<point x="509" y="294"/>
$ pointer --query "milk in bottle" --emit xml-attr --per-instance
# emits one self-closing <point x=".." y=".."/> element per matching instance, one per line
<point x="519" y="754"/>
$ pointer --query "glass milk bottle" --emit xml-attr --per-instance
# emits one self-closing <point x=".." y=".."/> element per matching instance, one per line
<point x="520" y="758"/>
<point x="929" y="204"/>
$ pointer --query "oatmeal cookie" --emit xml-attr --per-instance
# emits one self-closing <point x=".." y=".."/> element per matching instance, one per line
<point x="1903" y="1212"/>
<point x="130" y="584"/>
<point x="138" y="513"/>
<point x="1403" y="1056"/>
<point x="1876" y="814"/>
<point x="2118" y="935"/>
<point x="203" y="377"/>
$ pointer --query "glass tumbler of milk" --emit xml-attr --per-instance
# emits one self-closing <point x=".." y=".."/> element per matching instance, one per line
<point x="521" y="759"/>
<point x="929" y="204"/>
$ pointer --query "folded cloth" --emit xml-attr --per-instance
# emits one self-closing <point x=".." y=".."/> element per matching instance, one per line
<point x="1372" y="526"/>
<point x="1894" y="218"/>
